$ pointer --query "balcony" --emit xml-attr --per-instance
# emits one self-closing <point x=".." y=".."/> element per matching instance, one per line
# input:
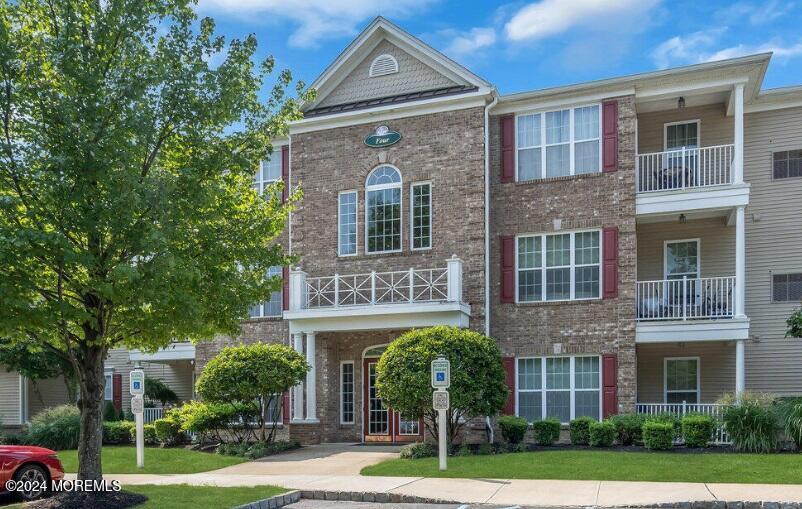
<point x="685" y="168"/>
<point x="416" y="297"/>
<point x="709" y="298"/>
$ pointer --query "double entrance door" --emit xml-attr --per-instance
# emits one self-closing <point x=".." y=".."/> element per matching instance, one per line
<point x="383" y="424"/>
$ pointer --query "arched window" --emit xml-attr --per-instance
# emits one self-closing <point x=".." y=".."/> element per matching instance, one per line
<point x="383" y="210"/>
<point x="383" y="65"/>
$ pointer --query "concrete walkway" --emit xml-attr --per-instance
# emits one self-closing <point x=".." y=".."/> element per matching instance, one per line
<point x="335" y="467"/>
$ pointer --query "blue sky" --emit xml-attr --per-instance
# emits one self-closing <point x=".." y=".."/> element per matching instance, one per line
<point x="526" y="45"/>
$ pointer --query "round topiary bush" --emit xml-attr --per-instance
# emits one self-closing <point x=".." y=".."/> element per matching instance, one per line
<point x="658" y="436"/>
<point x="580" y="430"/>
<point x="601" y="434"/>
<point x="513" y="428"/>
<point x="547" y="432"/>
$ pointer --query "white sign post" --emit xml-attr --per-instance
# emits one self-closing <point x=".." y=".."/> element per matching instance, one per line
<point x="441" y="381"/>
<point x="137" y="388"/>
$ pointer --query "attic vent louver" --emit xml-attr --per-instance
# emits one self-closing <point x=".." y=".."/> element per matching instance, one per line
<point x="383" y="65"/>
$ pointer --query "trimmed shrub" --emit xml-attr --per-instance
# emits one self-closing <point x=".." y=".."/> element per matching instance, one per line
<point x="697" y="429"/>
<point x="256" y="450"/>
<point x="658" y="436"/>
<point x="791" y="416"/>
<point x="418" y="450"/>
<point x="580" y="430"/>
<point x="149" y="430"/>
<point x="546" y="432"/>
<point x="56" y="428"/>
<point x="463" y="450"/>
<point x="668" y="418"/>
<point x="628" y="427"/>
<point x="110" y="413"/>
<point x="118" y="432"/>
<point x="484" y="449"/>
<point x="752" y="422"/>
<point x="513" y="428"/>
<point x="168" y="431"/>
<point x="601" y="434"/>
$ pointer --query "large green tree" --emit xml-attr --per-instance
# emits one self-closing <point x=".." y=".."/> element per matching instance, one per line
<point x="129" y="135"/>
<point x="403" y="376"/>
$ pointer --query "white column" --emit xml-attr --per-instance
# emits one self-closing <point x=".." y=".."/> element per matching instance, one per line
<point x="311" y="396"/>
<point x="738" y="163"/>
<point x="297" y="289"/>
<point x="454" y="279"/>
<point x="740" y="262"/>
<point x="298" y="390"/>
<point x="740" y="363"/>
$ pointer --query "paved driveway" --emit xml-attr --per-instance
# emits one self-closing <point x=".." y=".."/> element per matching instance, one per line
<point x="323" y="459"/>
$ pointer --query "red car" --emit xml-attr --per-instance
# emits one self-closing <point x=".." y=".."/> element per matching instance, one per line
<point x="33" y="468"/>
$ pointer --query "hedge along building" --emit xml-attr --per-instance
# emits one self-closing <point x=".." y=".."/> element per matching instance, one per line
<point x="630" y="243"/>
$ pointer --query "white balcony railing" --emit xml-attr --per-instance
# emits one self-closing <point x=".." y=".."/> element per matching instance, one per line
<point x="685" y="168"/>
<point x="686" y="298"/>
<point x="679" y="409"/>
<point x="410" y="286"/>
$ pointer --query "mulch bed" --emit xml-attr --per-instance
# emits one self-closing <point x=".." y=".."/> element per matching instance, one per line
<point x="93" y="499"/>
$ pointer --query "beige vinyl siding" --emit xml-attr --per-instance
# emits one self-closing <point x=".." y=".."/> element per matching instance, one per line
<point x="716" y="246"/>
<point x="9" y="398"/>
<point x="177" y="375"/>
<point x="773" y="243"/>
<point x="716" y="363"/>
<point x="412" y="76"/>
<point x="45" y="394"/>
<point x="715" y="127"/>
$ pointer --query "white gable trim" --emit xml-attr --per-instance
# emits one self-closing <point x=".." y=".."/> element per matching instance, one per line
<point x="381" y="29"/>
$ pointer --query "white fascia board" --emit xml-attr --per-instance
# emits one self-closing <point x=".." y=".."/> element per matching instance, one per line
<point x="692" y="331"/>
<point x="544" y="103"/>
<point x="713" y="198"/>
<point x="389" y="316"/>
<point x="391" y="112"/>
<point x="776" y="99"/>
<point x="175" y="352"/>
<point x="713" y="85"/>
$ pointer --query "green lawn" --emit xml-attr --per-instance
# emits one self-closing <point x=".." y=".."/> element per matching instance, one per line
<point x="122" y="460"/>
<point x="608" y="466"/>
<point x="180" y="496"/>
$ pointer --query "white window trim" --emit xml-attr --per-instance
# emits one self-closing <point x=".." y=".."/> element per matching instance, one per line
<point x="368" y="189"/>
<point x="773" y="273"/>
<point x="543" y="390"/>
<point x="678" y="241"/>
<point x="262" y="303"/>
<point x="571" y="142"/>
<point x="412" y="215"/>
<point x="264" y="183"/>
<point x="353" y="393"/>
<point x="698" y="376"/>
<point x="356" y="230"/>
<point x="696" y="121"/>
<point x="573" y="266"/>
<point x="108" y="378"/>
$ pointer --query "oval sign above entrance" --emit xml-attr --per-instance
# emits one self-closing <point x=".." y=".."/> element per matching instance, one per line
<point x="382" y="137"/>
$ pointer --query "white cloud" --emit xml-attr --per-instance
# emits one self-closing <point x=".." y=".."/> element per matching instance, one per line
<point x="315" y="20"/>
<point x="467" y="43"/>
<point x="551" y="17"/>
<point x="757" y="13"/>
<point x="780" y="51"/>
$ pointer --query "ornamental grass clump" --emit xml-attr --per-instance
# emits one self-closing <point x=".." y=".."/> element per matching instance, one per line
<point x="791" y="415"/>
<point x="56" y="428"/>
<point x="752" y="421"/>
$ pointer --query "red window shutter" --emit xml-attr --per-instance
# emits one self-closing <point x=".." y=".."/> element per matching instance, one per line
<point x="285" y="288"/>
<point x="509" y="379"/>
<point x="117" y="391"/>
<point x="610" y="262"/>
<point x="285" y="407"/>
<point x="507" y="147"/>
<point x="610" y="385"/>
<point x="610" y="136"/>
<point x="507" y="269"/>
<point x="285" y="171"/>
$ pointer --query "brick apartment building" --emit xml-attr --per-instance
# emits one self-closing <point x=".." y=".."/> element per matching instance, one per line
<point x="631" y="243"/>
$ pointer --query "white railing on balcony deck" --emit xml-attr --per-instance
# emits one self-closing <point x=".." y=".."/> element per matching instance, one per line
<point x="377" y="288"/>
<point x="679" y="409"/>
<point x="685" y="168"/>
<point x="686" y="298"/>
<point x="152" y="414"/>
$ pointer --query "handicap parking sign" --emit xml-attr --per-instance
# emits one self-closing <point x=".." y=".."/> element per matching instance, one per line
<point x="441" y="373"/>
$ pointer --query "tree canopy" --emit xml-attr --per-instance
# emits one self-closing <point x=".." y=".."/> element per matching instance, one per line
<point x="478" y="388"/>
<point x="129" y="136"/>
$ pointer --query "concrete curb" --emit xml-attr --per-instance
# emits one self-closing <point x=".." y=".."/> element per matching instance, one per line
<point x="273" y="502"/>
<point x="378" y="497"/>
<point x="720" y="504"/>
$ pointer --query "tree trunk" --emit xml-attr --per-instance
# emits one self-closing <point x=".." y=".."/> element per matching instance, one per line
<point x="90" y="363"/>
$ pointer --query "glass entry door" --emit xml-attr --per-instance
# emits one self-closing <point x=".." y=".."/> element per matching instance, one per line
<point x="382" y="424"/>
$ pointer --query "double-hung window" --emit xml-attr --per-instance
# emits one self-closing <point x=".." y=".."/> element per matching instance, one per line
<point x="108" y="389"/>
<point x="565" y="266"/>
<point x="558" y="143"/>
<point x="273" y="306"/>
<point x="383" y="210"/>
<point x="788" y="164"/>
<point x="347" y="392"/>
<point x="682" y="380"/>
<point x="346" y="223"/>
<point x="421" y="215"/>
<point x="559" y="387"/>
<point x="269" y="172"/>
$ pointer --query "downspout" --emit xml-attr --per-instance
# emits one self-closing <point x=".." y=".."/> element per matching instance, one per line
<point x="487" y="210"/>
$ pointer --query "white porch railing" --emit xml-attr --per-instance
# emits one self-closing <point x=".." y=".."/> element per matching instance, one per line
<point x="686" y="298"/>
<point x="377" y="288"/>
<point x="151" y="414"/>
<point x="685" y="168"/>
<point x="714" y="410"/>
